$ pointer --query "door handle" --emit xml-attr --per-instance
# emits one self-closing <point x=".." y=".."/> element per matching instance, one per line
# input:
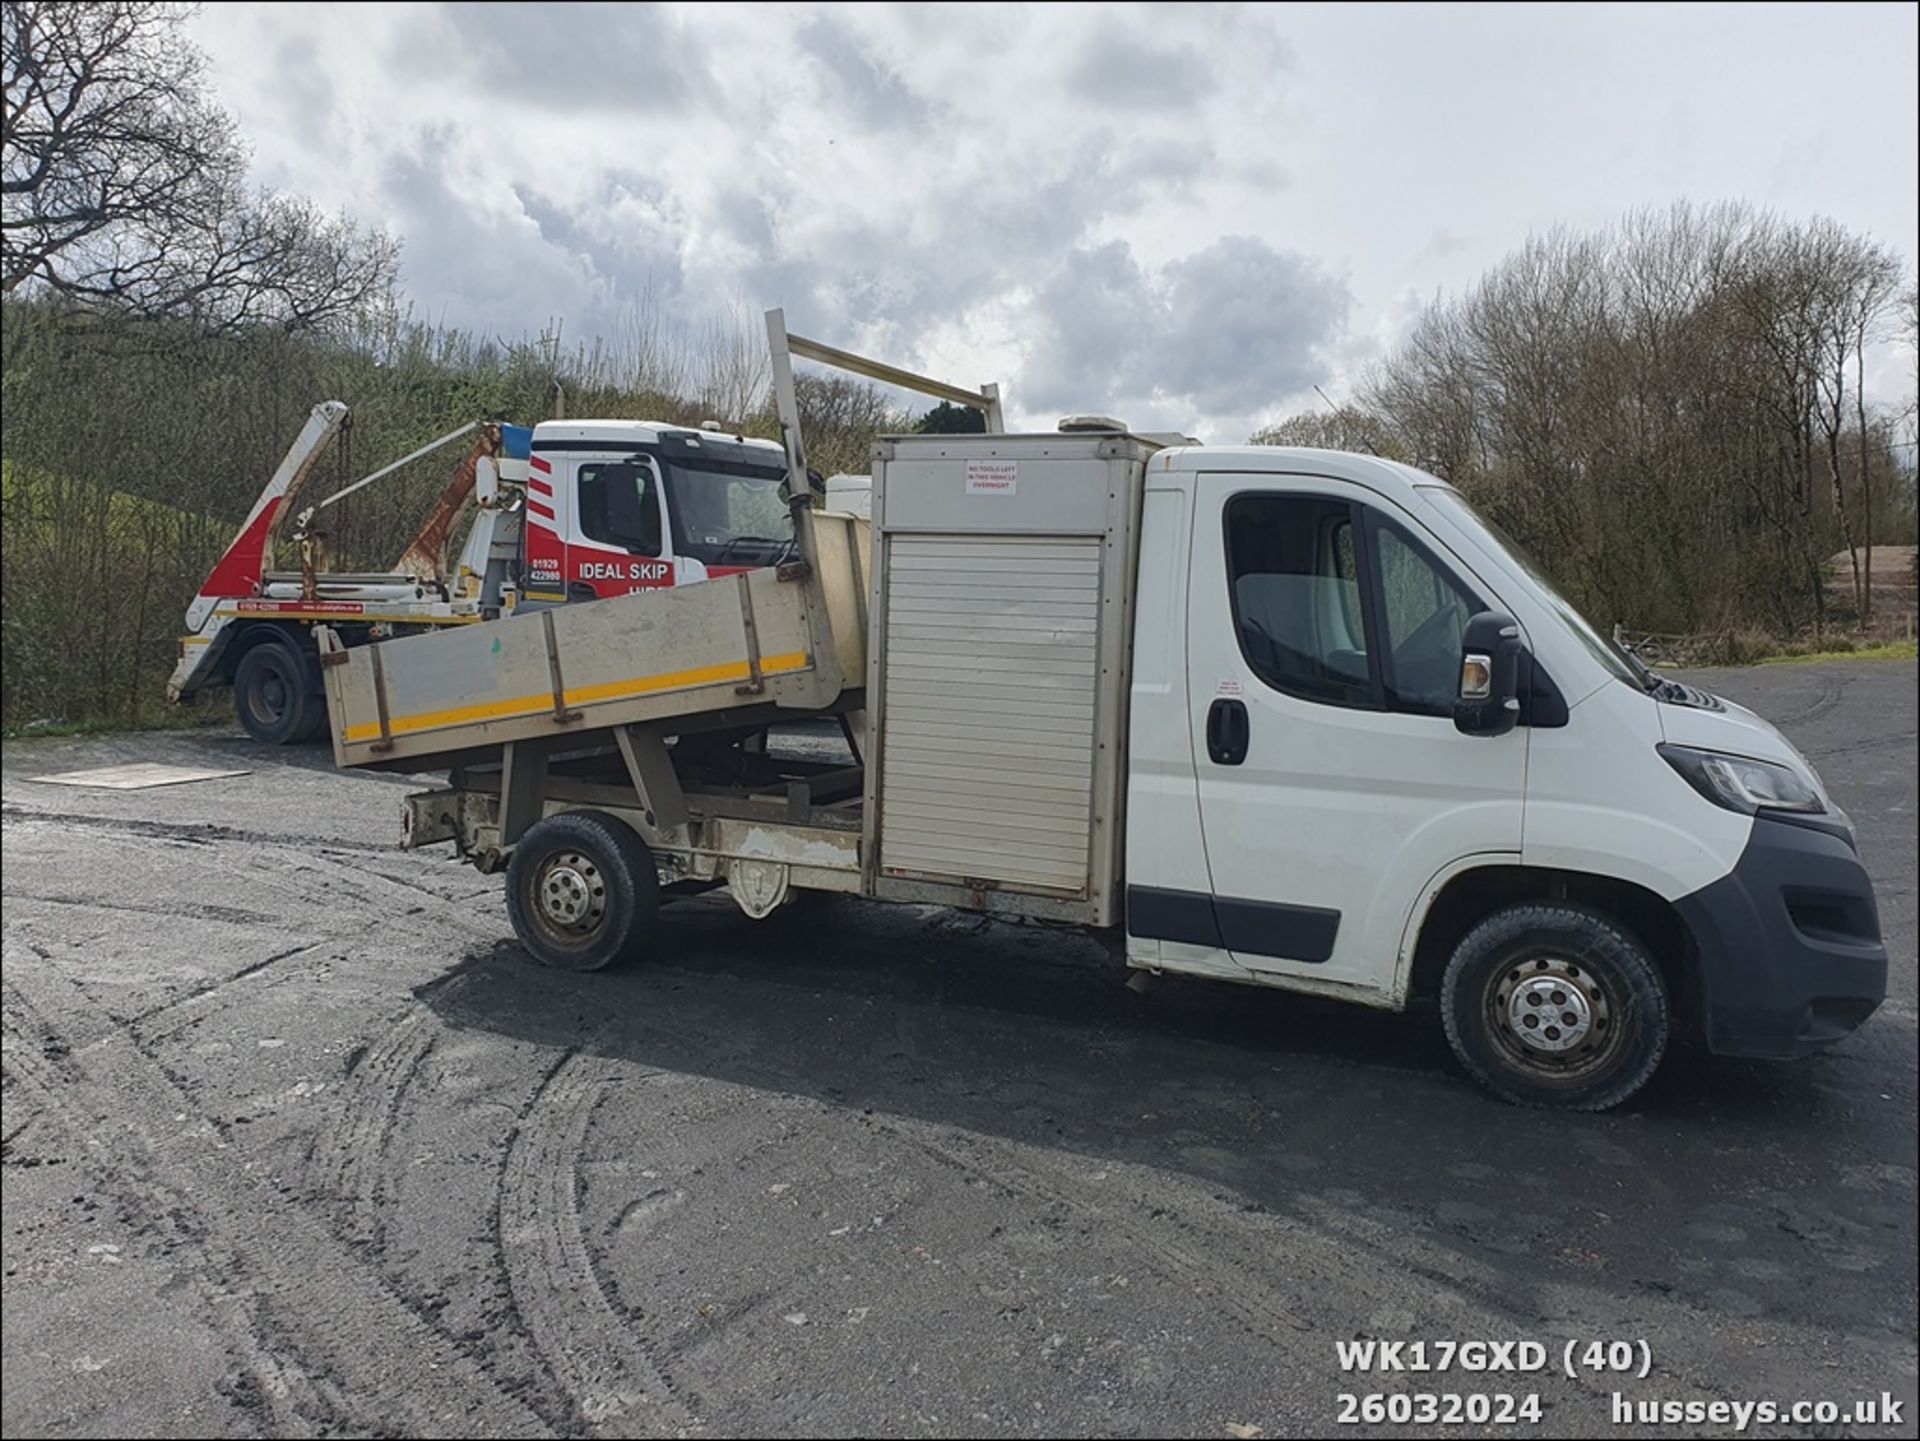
<point x="1227" y="732"/>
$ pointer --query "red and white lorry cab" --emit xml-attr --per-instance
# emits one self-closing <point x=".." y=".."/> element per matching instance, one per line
<point x="615" y="506"/>
<point x="567" y="510"/>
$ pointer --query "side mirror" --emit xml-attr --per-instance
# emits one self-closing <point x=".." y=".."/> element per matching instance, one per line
<point x="815" y="495"/>
<point x="1489" y="700"/>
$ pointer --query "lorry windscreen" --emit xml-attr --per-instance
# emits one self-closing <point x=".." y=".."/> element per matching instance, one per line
<point x="728" y="513"/>
<point x="1623" y="665"/>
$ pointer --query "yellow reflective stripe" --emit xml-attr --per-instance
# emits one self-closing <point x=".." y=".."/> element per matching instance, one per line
<point x="581" y="695"/>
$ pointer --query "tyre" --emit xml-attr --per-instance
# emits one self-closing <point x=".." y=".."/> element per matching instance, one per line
<point x="274" y="697"/>
<point x="1555" y="1005"/>
<point x="582" y="891"/>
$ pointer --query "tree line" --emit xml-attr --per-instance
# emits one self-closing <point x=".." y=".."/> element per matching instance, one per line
<point x="1671" y="412"/>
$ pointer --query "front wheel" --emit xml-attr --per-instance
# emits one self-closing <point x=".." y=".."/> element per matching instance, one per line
<point x="1556" y="1006"/>
<point x="582" y="891"/>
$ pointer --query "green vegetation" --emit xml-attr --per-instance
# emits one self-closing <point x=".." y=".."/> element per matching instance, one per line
<point x="1840" y="650"/>
<point x="88" y="580"/>
<point x="163" y="718"/>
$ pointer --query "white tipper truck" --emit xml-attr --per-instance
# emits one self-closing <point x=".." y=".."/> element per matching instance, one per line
<point x="1293" y="718"/>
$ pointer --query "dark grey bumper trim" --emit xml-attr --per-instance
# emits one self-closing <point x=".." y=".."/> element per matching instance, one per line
<point x="1789" y="948"/>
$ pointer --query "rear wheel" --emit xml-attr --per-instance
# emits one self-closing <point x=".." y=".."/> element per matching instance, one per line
<point x="1555" y="1005"/>
<point x="582" y="891"/>
<point x="274" y="698"/>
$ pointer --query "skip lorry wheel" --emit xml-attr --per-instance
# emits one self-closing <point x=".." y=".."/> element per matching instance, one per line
<point x="1556" y="1006"/>
<point x="272" y="697"/>
<point x="582" y="891"/>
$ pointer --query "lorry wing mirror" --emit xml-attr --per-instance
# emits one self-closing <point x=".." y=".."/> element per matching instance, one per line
<point x="1489" y="700"/>
<point x="815" y="494"/>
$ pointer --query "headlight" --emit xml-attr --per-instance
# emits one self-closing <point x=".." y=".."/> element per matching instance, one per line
<point x="1742" y="784"/>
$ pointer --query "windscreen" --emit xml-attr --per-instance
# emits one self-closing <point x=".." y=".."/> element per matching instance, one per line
<point x="1616" y="660"/>
<point x="728" y="513"/>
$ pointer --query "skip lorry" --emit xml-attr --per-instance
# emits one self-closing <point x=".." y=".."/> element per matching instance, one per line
<point x="599" y="508"/>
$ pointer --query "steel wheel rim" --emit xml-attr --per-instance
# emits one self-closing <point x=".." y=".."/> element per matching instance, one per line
<point x="1553" y="1016"/>
<point x="270" y="691"/>
<point x="570" y="897"/>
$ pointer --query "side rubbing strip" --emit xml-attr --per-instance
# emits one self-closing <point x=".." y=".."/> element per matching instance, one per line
<point x="1268" y="928"/>
<point x="1255" y="928"/>
<point x="1157" y="915"/>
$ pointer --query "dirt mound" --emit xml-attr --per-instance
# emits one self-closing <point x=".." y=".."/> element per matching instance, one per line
<point x="1896" y="586"/>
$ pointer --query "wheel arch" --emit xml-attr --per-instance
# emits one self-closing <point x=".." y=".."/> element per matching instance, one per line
<point x="253" y="633"/>
<point x="1457" y="902"/>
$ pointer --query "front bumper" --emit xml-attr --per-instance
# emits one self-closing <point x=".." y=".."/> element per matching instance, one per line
<point x="1788" y="941"/>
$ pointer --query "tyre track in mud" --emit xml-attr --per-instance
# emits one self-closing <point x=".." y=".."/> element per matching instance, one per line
<point x="1196" y="1260"/>
<point x="1833" y="690"/>
<point x="349" y="1169"/>
<point x="228" y="914"/>
<point x="607" y="1381"/>
<point x="1257" y="1309"/>
<point x="202" y="834"/>
<point x="1254" y="1305"/>
<point x="348" y="1159"/>
<point x="1190" y="1262"/>
<point x="390" y="1369"/>
<point x="162" y="1221"/>
<point x="591" y="1342"/>
<point x="321" y="852"/>
<point x="284" y="865"/>
<point x="178" y="1014"/>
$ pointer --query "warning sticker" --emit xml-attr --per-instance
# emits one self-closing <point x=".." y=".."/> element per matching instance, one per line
<point x="993" y="477"/>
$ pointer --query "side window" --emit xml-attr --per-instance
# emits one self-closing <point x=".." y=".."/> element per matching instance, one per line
<point x="1295" y="591"/>
<point x="1426" y="614"/>
<point x="619" y="505"/>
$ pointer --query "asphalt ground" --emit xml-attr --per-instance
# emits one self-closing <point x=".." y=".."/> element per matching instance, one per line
<point x="298" y="1142"/>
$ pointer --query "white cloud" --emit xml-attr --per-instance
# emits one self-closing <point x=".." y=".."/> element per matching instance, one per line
<point x="1187" y="214"/>
<point x="1227" y="330"/>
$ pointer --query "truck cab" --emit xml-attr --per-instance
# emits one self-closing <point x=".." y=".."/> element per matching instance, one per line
<point x="1373" y="753"/>
<point x="615" y="506"/>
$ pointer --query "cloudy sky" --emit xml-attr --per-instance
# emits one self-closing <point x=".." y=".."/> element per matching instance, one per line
<point x="1186" y="215"/>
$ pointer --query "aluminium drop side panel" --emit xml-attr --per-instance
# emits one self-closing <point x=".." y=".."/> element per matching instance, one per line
<point x="997" y="670"/>
<point x="653" y="655"/>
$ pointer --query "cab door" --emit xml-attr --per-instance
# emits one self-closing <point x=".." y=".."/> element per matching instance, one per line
<point x="618" y="542"/>
<point x="1324" y="653"/>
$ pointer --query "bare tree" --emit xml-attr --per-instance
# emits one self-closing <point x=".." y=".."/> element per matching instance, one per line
<point x="1345" y="427"/>
<point x="123" y="183"/>
<point x="735" y="371"/>
<point x="1669" y="410"/>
